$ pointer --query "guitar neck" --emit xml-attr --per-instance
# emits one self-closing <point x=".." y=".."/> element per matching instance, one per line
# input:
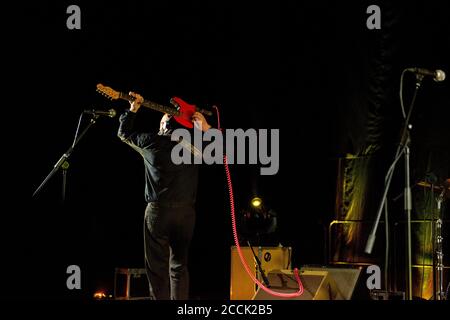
<point x="190" y="147"/>
<point x="152" y="105"/>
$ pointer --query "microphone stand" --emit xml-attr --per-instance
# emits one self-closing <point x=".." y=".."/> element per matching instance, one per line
<point x="62" y="162"/>
<point x="258" y="263"/>
<point x="402" y="149"/>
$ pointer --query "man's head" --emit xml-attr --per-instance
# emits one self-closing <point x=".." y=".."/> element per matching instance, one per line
<point x="167" y="124"/>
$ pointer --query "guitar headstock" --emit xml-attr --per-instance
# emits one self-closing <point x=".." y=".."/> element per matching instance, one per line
<point x="108" y="92"/>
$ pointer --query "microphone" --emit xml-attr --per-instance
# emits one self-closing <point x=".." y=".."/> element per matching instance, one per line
<point x="110" y="113"/>
<point x="438" y="75"/>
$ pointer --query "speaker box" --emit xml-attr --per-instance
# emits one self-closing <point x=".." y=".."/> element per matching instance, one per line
<point x="242" y="286"/>
<point x="319" y="283"/>
<point x="347" y="279"/>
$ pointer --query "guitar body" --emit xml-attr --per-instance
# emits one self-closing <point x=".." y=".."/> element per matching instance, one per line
<point x="186" y="111"/>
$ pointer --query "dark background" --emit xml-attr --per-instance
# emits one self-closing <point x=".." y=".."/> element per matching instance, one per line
<point x="312" y="70"/>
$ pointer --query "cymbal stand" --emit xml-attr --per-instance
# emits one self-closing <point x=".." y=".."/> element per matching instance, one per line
<point x="438" y="254"/>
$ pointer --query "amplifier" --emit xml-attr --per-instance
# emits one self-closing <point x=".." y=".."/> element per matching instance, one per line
<point x="242" y="286"/>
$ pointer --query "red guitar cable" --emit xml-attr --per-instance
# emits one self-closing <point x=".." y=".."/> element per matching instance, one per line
<point x="236" y="239"/>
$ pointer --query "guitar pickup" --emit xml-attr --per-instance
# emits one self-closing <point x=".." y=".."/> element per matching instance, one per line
<point x="175" y="104"/>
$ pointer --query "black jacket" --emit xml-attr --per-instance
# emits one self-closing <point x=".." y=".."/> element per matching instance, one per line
<point x="165" y="182"/>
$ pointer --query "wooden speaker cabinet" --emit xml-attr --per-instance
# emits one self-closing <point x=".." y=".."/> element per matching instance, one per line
<point x="242" y="286"/>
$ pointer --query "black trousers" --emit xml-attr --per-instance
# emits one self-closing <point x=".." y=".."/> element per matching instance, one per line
<point x="168" y="231"/>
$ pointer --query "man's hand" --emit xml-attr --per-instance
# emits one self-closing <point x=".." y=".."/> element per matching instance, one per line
<point x="136" y="104"/>
<point x="200" y="122"/>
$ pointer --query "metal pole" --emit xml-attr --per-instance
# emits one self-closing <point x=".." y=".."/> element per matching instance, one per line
<point x="408" y="208"/>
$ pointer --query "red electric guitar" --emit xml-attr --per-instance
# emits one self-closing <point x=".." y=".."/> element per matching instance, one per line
<point x="181" y="110"/>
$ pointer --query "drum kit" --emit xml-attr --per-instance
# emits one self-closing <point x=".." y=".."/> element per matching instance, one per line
<point x="438" y="255"/>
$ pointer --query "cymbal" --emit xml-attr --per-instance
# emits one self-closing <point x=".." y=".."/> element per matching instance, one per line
<point x="444" y="186"/>
<point x="425" y="184"/>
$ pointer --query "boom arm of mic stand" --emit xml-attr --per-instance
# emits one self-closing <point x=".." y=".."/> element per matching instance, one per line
<point x="388" y="179"/>
<point x="64" y="157"/>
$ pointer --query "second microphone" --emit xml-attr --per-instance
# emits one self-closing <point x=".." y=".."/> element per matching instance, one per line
<point x="109" y="113"/>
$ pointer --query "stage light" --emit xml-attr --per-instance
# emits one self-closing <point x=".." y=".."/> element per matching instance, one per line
<point x="258" y="223"/>
<point x="99" y="295"/>
<point x="256" y="202"/>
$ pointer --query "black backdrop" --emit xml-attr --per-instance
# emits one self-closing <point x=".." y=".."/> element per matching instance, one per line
<point x="312" y="70"/>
